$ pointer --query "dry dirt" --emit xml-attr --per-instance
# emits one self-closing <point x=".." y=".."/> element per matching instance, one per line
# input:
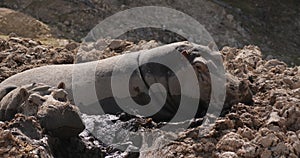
<point x="21" y="24"/>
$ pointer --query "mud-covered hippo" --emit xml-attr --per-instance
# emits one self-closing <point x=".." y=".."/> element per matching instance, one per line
<point x="81" y="86"/>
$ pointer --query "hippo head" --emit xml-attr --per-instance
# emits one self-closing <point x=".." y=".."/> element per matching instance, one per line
<point x="207" y="65"/>
<point x="237" y="90"/>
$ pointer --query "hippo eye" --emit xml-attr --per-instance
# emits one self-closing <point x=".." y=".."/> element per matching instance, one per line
<point x="198" y="67"/>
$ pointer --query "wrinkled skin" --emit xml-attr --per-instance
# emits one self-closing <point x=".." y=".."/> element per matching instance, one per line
<point x="237" y="91"/>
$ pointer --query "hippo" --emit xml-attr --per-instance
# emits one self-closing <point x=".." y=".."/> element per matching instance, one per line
<point x="81" y="87"/>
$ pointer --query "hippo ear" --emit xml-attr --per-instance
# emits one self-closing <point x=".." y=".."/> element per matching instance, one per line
<point x="23" y="93"/>
<point x="184" y="53"/>
<point x="61" y="85"/>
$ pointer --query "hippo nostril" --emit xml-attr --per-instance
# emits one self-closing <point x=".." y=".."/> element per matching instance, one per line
<point x="137" y="89"/>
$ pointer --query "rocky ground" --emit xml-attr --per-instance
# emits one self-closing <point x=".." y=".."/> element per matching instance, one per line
<point x="268" y="128"/>
<point x="271" y="25"/>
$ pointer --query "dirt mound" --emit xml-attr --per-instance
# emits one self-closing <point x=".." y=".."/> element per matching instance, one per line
<point x="23" y="25"/>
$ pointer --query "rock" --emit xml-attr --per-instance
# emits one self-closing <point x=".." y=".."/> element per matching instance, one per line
<point x="292" y="117"/>
<point x="246" y="133"/>
<point x="228" y="154"/>
<point x="3" y="45"/>
<point x="296" y="147"/>
<point x="250" y="150"/>
<point x="273" y="63"/>
<point x="224" y="124"/>
<point x="119" y="45"/>
<point x="296" y="92"/>
<point x="296" y="83"/>
<point x="268" y="141"/>
<point x="288" y="81"/>
<point x="144" y="45"/>
<point x="274" y="118"/>
<point x="72" y="46"/>
<point x="250" y="57"/>
<point x="230" y="142"/>
<point x="60" y="120"/>
<point x="238" y="91"/>
<point x="280" y="149"/>
<point x="266" y="154"/>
